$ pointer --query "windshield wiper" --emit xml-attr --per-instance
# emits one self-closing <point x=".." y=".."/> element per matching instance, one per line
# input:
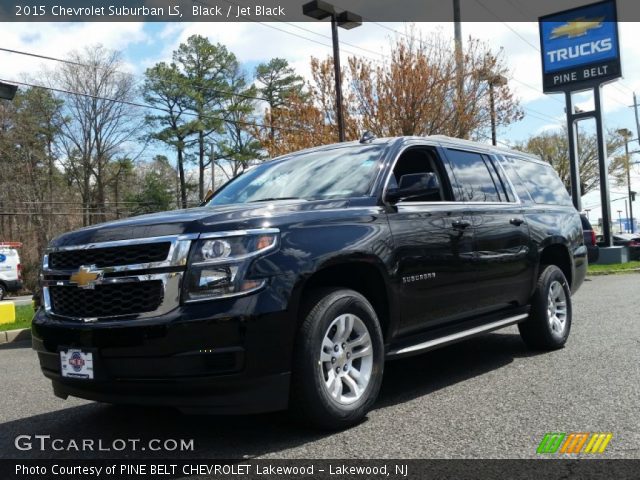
<point x="275" y="198"/>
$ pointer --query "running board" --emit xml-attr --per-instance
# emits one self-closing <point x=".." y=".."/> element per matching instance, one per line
<point x="456" y="337"/>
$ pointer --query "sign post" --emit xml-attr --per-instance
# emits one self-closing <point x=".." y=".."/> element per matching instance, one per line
<point x="580" y="51"/>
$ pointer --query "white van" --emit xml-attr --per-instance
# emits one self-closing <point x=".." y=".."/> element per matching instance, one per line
<point x="10" y="268"/>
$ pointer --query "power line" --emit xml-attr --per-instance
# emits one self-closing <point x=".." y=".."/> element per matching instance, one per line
<point x="142" y="105"/>
<point x="328" y="37"/>
<point x="62" y="60"/>
<point x="528" y="14"/>
<point x="598" y="205"/>
<point x="479" y="2"/>
<point x="45" y="57"/>
<point x="622" y="84"/>
<point x="542" y="119"/>
<point x="311" y="39"/>
<point x="528" y="85"/>
<point x="201" y="2"/>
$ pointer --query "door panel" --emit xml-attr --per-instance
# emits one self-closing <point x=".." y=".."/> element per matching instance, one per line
<point x="434" y="256"/>
<point x="504" y="264"/>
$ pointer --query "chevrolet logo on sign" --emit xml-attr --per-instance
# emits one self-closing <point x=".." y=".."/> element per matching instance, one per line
<point x="87" y="277"/>
<point x="576" y="28"/>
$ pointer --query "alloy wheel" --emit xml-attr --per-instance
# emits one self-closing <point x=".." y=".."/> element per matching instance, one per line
<point x="346" y="359"/>
<point x="557" y="309"/>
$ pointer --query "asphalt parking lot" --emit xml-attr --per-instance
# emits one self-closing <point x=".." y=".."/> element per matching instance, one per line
<point x="486" y="398"/>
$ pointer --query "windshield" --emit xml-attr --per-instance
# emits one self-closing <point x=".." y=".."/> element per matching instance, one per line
<point x="341" y="172"/>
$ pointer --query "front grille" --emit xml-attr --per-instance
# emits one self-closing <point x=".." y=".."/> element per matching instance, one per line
<point x="107" y="300"/>
<point x="110" y="256"/>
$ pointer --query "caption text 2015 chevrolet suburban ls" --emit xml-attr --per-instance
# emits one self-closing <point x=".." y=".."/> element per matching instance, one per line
<point x="299" y="278"/>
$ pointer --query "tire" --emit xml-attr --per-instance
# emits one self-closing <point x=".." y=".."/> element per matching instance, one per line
<point x="549" y="322"/>
<point x="3" y="291"/>
<point x="340" y="332"/>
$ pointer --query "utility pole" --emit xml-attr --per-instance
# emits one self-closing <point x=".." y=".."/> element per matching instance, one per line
<point x="457" y="27"/>
<point x="626" y="134"/>
<point x="628" y="162"/>
<point x="635" y="108"/>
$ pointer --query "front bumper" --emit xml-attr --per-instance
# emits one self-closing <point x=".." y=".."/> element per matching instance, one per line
<point x="225" y="356"/>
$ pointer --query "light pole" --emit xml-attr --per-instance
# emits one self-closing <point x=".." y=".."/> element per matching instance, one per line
<point x="627" y="134"/>
<point x="7" y="91"/>
<point x="320" y="10"/>
<point x="494" y="80"/>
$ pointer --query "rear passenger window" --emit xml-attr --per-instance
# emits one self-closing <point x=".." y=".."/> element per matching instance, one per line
<point x="508" y="164"/>
<point x="504" y="188"/>
<point x="472" y="177"/>
<point x="542" y="182"/>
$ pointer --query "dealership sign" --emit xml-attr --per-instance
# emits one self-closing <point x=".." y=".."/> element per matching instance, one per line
<point x="580" y="47"/>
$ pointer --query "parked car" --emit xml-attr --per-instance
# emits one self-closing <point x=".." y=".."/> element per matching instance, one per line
<point x="621" y="239"/>
<point x="299" y="278"/>
<point x="593" y="251"/>
<point x="629" y="240"/>
<point x="10" y="268"/>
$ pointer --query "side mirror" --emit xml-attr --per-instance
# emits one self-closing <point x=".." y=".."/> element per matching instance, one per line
<point x="414" y="185"/>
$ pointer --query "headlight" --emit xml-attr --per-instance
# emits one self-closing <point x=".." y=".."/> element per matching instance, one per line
<point x="218" y="264"/>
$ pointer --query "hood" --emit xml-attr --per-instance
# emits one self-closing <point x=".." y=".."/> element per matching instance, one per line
<point x="196" y="220"/>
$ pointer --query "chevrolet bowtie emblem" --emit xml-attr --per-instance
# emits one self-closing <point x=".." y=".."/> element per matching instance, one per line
<point x="87" y="277"/>
<point x="576" y="28"/>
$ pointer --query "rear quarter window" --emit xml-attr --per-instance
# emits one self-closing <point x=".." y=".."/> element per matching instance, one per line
<point x="541" y="181"/>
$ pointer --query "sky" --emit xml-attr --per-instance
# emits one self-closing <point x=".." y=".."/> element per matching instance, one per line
<point x="144" y="44"/>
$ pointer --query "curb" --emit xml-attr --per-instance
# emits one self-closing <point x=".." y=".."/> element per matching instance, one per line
<point x="11" y="336"/>
<point x="613" y="272"/>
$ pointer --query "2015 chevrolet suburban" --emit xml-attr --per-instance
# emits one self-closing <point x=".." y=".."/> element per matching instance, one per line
<point x="299" y="278"/>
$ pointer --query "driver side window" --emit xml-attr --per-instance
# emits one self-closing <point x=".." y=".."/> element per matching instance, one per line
<point x="415" y="161"/>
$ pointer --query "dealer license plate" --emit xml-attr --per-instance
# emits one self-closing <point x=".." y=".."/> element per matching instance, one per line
<point x="75" y="363"/>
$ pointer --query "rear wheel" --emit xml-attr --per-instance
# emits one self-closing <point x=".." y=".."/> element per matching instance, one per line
<point x="3" y="291"/>
<point x="549" y="322"/>
<point x="338" y="360"/>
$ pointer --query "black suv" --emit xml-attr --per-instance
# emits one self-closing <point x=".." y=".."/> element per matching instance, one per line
<point x="299" y="278"/>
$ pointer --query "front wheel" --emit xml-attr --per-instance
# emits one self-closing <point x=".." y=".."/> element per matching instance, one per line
<point x="549" y="322"/>
<point x="338" y="361"/>
<point x="3" y="292"/>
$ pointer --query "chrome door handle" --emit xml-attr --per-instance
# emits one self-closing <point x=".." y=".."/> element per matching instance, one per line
<point x="461" y="224"/>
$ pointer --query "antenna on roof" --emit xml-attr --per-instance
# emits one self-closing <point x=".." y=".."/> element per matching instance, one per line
<point x="367" y="137"/>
